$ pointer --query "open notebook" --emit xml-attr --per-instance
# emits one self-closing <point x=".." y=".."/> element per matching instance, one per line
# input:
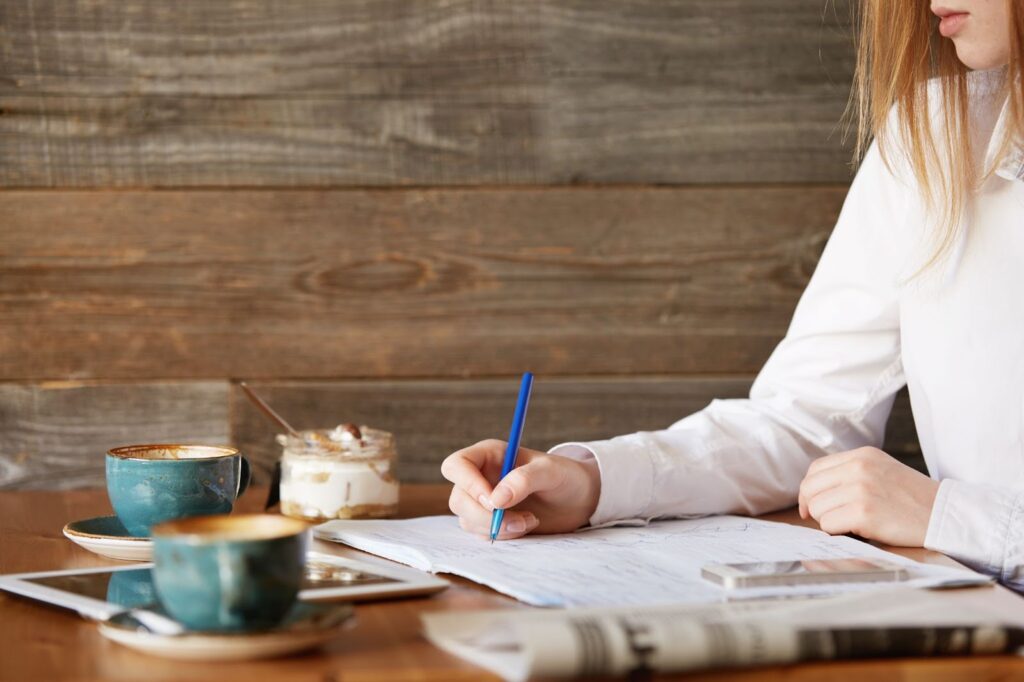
<point x="623" y="566"/>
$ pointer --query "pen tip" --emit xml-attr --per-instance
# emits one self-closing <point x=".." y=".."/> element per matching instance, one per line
<point x="492" y="541"/>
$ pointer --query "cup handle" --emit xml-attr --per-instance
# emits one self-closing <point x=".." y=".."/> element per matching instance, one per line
<point x="244" y="477"/>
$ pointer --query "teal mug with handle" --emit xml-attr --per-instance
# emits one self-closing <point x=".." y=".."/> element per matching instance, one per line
<point x="150" y="484"/>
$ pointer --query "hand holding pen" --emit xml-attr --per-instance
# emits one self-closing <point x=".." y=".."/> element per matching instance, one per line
<point x="542" y="494"/>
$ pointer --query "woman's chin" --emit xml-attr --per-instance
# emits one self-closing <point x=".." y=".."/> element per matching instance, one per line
<point x="979" y="57"/>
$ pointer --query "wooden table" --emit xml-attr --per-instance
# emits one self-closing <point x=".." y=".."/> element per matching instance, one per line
<point x="43" y="643"/>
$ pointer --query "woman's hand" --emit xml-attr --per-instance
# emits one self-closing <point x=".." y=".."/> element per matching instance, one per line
<point x="867" y="492"/>
<point x="543" y="494"/>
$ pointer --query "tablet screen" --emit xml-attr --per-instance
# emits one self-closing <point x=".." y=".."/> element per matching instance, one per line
<point x="99" y="586"/>
<point x="134" y="587"/>
<point x="99" y="593"/>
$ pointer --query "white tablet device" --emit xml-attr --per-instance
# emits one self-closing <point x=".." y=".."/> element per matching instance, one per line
<point x="100" y="593"/>
<point x="805" y="572"/>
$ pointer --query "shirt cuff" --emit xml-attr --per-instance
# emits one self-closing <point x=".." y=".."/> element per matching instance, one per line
<point x="974" y="524"/>
<point x="627" y="479"/>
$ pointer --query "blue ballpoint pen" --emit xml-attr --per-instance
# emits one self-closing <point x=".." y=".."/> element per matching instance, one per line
<point x="513" y="445"/>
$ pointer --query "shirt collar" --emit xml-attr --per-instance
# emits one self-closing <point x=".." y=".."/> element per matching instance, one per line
<point x="1011" y="166"/>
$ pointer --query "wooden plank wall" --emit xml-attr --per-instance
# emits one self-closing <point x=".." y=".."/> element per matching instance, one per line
<point x="422" y="92"/>
<point x="384" y="210"/>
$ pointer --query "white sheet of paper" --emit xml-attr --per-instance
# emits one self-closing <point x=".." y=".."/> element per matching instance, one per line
<point x="655" y="564"/>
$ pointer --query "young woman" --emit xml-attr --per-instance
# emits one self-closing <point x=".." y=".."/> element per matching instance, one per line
<point x="921" y="283"/>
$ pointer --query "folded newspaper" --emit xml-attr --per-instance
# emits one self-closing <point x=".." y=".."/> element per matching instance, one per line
<point x="519" y="644"/>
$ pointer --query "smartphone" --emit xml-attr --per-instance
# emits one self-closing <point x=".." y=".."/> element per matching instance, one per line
<point x="803" y="572"/>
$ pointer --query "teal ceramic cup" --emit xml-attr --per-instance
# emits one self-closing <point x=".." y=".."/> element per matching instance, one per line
<point x="229" y="573"/>
<point x="150" y="484"/>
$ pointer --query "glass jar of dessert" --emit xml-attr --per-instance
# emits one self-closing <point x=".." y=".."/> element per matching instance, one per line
<point x="347" y="472"/>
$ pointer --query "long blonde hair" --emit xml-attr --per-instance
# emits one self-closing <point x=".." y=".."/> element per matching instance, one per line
<point x="898" y="51"/>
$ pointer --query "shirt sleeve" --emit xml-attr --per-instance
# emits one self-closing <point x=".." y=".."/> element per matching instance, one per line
<point x="827" y="387"/>
<point x="981" y="526"/>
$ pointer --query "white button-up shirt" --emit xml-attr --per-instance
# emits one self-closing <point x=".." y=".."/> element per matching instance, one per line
<point x="865" y="327"/>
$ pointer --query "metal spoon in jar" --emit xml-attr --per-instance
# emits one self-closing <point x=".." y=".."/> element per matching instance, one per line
<point x="269" y="411"/>
<point x="274" y="494"/>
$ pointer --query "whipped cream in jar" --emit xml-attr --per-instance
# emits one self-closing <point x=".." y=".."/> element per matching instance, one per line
<point x="342" y="473"/>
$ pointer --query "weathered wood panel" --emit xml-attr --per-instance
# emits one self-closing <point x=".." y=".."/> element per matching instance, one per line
<point x="901" y="439"/>
<point x="55" y="435"/>
<point x="414" y="92"/>
<point x="411" y="283"/>
<point x="432" y="419"/>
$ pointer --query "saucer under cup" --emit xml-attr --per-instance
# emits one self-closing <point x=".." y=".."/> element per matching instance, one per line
<point x="107" y="536"/>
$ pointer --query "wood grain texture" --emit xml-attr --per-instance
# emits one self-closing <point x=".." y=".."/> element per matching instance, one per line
<point x="55" y="435"/>
<point x="901" y="439"/>
<point x="385" y="642"/>
<point x="413" y="92"/>
<point x="432" y="419"/>
<point x="410" y="283"/>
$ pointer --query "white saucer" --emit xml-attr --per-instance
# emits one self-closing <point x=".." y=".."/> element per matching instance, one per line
<point x="309" y="625"/>
<point x="104" y="535"/>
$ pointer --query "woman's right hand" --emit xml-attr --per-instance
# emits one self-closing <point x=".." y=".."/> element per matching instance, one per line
<point x="543" y="494"/>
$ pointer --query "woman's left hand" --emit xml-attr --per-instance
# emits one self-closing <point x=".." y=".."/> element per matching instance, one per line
<point x="867" y="492"/>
